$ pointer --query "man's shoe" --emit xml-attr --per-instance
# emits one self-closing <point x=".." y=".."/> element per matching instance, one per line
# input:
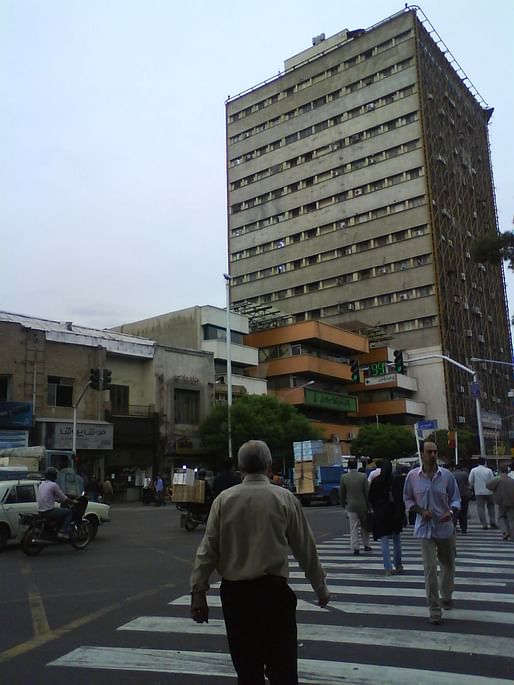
<point x="368" y="549"/>
<point x="63" y="536"/>
<point x="494" y="526"/>
<point x="485" y="527"/>
<point x="389" y="572"/>
<point x="435" y="620"/>
<point x="447" y="604"/>
<point x="399" y="569"/>
<point x="356" y="552"/>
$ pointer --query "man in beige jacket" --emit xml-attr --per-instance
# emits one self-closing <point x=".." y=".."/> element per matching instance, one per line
<point x="353" y="495"/>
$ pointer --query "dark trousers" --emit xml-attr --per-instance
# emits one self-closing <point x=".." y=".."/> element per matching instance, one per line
<point x="62" y="516"/>
<point x="462" y="516"/>
<point x="260" y="618"/>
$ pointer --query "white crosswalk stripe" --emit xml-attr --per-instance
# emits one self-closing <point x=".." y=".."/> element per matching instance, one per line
<point x="367" y="609"/>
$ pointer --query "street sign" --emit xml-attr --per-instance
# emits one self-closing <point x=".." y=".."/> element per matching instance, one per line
<point x="428" y="425"/>
<point x="475" y="391"/>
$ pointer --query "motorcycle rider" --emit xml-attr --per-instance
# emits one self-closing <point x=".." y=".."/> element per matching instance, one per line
<point x="48" y="494"/>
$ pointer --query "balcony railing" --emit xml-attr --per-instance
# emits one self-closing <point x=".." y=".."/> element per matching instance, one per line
<point x="142" y="410"/>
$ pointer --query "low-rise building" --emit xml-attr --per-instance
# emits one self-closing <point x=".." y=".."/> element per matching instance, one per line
<point x="204" y="328"/>
<point x="149" y="417"/>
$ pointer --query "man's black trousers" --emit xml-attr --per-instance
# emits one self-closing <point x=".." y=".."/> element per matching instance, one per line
<point x="260" y="618"/>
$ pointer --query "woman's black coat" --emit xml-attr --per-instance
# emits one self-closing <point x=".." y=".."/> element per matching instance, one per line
<point x="386" y="500"/>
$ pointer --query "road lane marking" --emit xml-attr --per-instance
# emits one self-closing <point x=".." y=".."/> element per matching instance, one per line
<point x="403" y="578"/>
<point x="506" y="598"/>
<point x="215" y="601"/>
<point x="312" y="632"/>
<point x="37" y="608"/>
<point x="417" y="611"/>
<point x="311" y="671"/>
<point x="34" y="643"/>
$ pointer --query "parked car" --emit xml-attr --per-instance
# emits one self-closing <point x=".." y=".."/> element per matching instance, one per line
<point x="19" y="497"/>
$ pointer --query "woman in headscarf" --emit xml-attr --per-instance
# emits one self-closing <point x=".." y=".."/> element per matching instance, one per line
<point x="386" y="500"/>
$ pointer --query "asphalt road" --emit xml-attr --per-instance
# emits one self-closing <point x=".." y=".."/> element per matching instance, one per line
<point x="117" y="612"/>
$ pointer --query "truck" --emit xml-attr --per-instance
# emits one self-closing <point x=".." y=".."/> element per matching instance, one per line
<point x="317" y="472"/>
<point x="33" y="461"/>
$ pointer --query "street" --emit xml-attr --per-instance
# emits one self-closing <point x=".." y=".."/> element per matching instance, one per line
<point x="117" y="612"/>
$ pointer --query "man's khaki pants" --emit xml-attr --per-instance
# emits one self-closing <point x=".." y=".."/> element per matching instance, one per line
<point x="358" y="526"/>
<point x="444" y="551"/>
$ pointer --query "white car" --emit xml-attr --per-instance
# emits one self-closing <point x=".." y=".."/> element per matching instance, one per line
<point x="19" y="497"/>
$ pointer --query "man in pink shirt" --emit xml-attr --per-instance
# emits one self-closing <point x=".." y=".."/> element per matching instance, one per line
<point x="47" y="495"/>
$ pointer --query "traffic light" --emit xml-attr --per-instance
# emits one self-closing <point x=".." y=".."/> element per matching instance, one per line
<point x="399" y="365"/>
<point x="354" y="366"/>
<point x="107" y="379"/>
<point x="94" y="378"/>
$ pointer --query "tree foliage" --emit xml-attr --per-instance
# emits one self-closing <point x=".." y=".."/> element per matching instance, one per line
<point x="493" y="247"/>
<point x="466" y="442"/>
<point x="257" y="417"/>
<point x="384" y="441"/>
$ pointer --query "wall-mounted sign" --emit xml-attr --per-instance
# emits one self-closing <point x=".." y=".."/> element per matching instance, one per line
<point x="90" y="436"/>
<point x="491" y="420"/>
<point x="15" y="414"/>
<point x="380" y="380"/>
<point x="188" y="380"/>
<point x="330" y="400"/>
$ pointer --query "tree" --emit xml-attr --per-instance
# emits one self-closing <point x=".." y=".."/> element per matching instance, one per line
<point x="257" y="417"/>
<point x="384" y="441"/>
<point x="466" y="442"/>
<point x="493" y="247"/>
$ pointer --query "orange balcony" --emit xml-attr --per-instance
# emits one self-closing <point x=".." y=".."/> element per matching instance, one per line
<point x="314" y="332"/>
<point x="301" y="364"/>
<point x="391" y="408"/>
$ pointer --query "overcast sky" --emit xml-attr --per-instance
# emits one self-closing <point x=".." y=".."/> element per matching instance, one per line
<point x="112" y="147"/>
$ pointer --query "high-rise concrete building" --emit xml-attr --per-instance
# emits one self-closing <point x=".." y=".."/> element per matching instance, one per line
<point x="358" y="179"/>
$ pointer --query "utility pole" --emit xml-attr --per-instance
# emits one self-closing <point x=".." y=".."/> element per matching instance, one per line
<point x="475" y="382"/>
<point x="229" y="365"/>
<point x="75" y="405"/>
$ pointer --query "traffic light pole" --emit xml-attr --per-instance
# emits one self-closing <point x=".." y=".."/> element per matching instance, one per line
<point x="75" y="405"/>
<point x="477" y="399"/>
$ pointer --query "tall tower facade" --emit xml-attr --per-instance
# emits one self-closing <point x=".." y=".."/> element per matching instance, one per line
<point x="357" y="181"/>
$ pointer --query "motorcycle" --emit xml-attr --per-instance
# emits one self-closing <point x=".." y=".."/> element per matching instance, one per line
<point x="42" y="531"/>
<point x="193" y="515"/>
<point x="149" y="496"/>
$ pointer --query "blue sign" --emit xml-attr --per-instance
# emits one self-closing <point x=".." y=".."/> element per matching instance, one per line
<point x="15" y="414"/>
<point x="428" y="425"/>
<point x="475" y="391"/>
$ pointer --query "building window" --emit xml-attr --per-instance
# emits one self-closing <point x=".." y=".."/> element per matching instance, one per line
<point x="211" y="332"/>
<point x="187" y="407"/>
<point x="60" y="392"/>
<point x="4" y="388"/>
<point x="120" y="399"/>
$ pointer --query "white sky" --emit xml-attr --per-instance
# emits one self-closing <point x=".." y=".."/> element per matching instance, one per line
<point x="112" y="137"/>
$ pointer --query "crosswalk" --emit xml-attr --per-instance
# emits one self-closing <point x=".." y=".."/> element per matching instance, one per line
<point x="375" y="629"/>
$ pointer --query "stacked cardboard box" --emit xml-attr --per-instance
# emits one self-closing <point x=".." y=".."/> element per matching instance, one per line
<point x="304" y="476"/>
<point x="189" y="493"/>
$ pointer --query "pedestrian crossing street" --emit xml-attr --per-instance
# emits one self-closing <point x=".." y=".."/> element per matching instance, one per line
<point x="375" y="629"/>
